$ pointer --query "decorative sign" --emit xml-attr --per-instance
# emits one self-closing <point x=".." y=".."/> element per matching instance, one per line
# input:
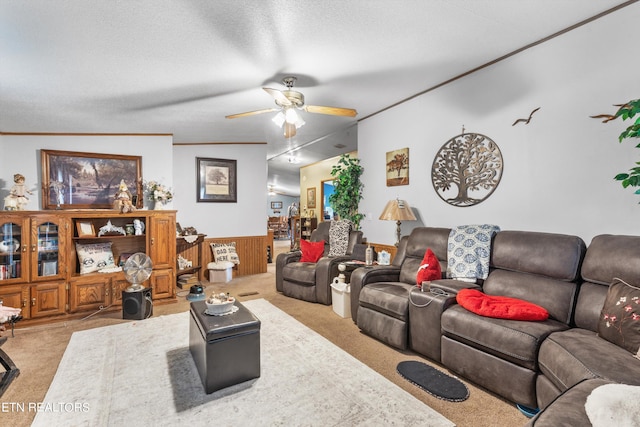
<point x="467" y="169"/>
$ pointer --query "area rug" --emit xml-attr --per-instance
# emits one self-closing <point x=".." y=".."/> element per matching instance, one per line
<point x="433" y="381"/>
<point x="142" y="373"/>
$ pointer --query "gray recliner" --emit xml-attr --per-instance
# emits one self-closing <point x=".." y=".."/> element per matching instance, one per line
<point x="311" y="281"/>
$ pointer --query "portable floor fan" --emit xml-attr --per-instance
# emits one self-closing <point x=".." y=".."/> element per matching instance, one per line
<point x="137" y="269"/>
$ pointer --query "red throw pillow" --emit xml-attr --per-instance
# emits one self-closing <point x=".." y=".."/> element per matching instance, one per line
<point x="500" y="307"/>
<point x="311" y="251"/>
<point x="429" y="268"/>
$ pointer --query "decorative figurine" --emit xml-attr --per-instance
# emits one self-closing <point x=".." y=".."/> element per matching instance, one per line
<point x="138" y="227"/>
<point x="17" y="200"/>
<point x="58" y="188"/>
<point x="110" y="228"/>
<point x="122" y="201"/>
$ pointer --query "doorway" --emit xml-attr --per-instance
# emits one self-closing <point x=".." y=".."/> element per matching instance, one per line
<point x="327" y="189"/>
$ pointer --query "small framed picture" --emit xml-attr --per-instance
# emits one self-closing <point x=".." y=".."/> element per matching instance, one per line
<point x="276" y="205"/>
<point x="311" y="197"/>
<point x="85" y="229"/>
<point x="49" y="268"/>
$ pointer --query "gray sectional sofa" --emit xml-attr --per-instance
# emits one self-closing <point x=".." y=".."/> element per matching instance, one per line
<point x="552" y="364"/>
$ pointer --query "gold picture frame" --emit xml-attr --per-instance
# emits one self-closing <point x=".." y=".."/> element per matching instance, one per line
<point x="397" y="165"/>
<point x="311" y="197"/>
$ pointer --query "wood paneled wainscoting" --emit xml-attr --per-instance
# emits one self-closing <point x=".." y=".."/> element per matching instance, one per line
<point x="252" y="251"/>
<point x="392" y="249"/>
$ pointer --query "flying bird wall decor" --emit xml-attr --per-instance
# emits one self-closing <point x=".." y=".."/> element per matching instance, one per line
<point x="608" y="117"/>
<point x="527" y="120"/>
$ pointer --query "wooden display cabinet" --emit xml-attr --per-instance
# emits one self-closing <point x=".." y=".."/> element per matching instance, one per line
<point x="39" y="270"/>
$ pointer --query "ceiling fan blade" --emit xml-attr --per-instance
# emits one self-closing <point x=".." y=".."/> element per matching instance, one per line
<point x="280" y="97"/>
<point x="252" y="113"/>
<point x="289" y="130"/>
<point x="334" y="111"/>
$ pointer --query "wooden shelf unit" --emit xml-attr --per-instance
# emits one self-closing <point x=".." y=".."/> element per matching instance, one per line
<point x="192" y="252"/>
<point x="41" y="274"/>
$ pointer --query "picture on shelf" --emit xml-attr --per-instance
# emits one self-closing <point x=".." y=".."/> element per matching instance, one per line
<point x="123" y="258"/>
<point x="49" y="268"/>
<point x="85" y="229"/>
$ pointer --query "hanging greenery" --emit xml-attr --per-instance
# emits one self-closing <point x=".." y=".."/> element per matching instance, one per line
<point x="347" y="191"/>
<point x="627" y="111"/>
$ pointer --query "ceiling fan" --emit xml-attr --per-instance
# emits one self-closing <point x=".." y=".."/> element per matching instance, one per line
<point x="288" y="101"/>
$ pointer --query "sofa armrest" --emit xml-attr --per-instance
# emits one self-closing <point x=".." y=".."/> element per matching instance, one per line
<point x="361" y="277"/>
<point x="326" y="270"/>
<point x="282" y="260"/>
<point x="452" y="286"/>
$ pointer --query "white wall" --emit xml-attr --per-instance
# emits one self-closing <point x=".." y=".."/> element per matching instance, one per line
<point x="21" y="154"/>
<point x="558" y="170"/>
<point x="244" y="218"/>
<point x="174" y="166"/>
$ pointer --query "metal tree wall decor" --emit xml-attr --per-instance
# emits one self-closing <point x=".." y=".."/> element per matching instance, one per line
<point x="467" y="169"/>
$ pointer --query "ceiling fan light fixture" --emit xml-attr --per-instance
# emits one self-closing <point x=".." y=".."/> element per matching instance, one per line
<point x="279" y="119"/>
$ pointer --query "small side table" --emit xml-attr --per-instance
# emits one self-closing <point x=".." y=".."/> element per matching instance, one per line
<point x="225" y="349"/>
<point x="426" y="308"/>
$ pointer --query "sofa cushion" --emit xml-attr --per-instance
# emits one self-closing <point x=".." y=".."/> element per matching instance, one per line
<point x="311" y="251"/>
<point x="300" y="272"/>
<point x="512" y="340"/>
<point x="339" y="237"/>
<point x="620" y="318"/>
<point x="568" y="409"/>
<point x="390" y="298"/>
<point x="500" y="307"/>
<point x="429" y="268"/>
<point x="571" y="356"/>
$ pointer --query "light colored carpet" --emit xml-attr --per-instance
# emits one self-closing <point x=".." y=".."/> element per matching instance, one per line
<point x="148" y="377"/>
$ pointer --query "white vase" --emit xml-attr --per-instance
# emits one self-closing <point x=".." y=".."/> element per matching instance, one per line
<point x="158" y="205"/>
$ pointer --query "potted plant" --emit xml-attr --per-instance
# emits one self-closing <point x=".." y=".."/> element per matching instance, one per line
<point x="627" y="111"/>
<point x="347" y="191"/>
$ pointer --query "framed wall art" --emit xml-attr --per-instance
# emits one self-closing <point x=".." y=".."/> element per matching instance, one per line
<point x="217" y="180"/>
<point x="398" y="167"/>
<point x="311" y="197"/>
<point x="76" y="180"/>
<point x="276" y="205"/>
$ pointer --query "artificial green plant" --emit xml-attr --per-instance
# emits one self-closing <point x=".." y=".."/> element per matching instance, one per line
<point x="347" y="191"/>
<point x="627" y="111"/>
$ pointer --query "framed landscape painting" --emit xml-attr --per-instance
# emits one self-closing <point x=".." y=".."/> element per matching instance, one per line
<point x="217" y="180"/>
<point x="77" y="180"/>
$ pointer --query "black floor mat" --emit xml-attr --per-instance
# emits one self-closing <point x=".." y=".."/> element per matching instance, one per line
<point x="433" y="381"/>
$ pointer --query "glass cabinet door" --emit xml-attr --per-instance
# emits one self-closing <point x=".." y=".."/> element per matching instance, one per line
<point x="47" y="235"/>
<point x="13" y="247"/>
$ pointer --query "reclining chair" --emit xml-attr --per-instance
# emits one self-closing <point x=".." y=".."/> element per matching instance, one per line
<point x="311" y="281"/>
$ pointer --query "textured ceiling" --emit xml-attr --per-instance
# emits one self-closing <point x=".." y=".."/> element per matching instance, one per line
<point x="160" y="66"/>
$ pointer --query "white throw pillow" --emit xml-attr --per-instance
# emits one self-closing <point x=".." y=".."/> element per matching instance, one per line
<point x="94" y="257"/>
<point x="614" y="405"/>
<point x="225" y="252"/>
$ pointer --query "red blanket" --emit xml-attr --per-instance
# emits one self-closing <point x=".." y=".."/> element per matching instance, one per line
<point x="500" y="307"/>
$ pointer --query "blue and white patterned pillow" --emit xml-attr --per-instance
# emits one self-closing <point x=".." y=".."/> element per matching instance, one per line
<point x="469" y="251"/>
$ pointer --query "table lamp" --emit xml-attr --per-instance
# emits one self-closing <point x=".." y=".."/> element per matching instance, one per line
<point x="397" y="210"/>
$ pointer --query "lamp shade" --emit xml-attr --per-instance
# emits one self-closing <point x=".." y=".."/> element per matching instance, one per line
<point x="397" y="210"/>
